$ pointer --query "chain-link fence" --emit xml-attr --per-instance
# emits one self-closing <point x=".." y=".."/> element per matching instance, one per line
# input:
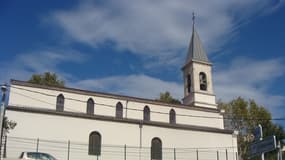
<point x="68" y="150"/>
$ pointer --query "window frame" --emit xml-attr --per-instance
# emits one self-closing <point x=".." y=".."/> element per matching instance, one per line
<point x="90" y="106"/>
<point x="156" y="149"/>
<point x="189" y="83"/>
<point x="119" y="110"/>
<point x="60" y="103"/>
<point x="146" y="113"/>
<point x="93" y="143"/>
<point x="203" y="81"/>
<point x="172" y="116"/>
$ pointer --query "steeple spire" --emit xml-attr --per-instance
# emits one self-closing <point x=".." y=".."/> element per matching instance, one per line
<point x="196" y="51"/>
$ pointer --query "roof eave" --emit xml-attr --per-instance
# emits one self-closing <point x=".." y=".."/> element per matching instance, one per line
<point x="197" y="61"/>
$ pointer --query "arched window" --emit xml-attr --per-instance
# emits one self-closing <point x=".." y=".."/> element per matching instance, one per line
<point x="60" y="103"/>
<point x="94" y="143"/>
<point x="119" y="110"/>
<point x="189" y="83"/>
<point x="203" y="81"/>
<point x="146" y="113"/>
<point x="156" y="149"/>
<point x="172" y="116"/>
<point x="90" y="106"/>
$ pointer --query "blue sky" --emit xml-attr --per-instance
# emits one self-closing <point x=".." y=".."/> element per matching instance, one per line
<point x="137" y="48"/>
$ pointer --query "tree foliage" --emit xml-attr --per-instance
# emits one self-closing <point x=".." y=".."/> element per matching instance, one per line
<point x="244" y="116"/>
<point x="48" y="78"/>
<point x="166" y="97"/>
<point x="8" y="124"/>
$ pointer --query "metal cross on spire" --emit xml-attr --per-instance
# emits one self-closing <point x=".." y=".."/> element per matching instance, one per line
<point x="193" y="19"/>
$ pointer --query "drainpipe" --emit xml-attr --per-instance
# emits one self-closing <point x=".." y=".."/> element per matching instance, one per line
<point x="126" y="112"/>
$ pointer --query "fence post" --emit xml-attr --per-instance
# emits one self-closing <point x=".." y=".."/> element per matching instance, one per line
<point x="5" y="145"/>
<point x="68" y="149"/>
<point x="226" y="154"/>
<point x="140" y="154"/>
<point x="218" y="155"/>
<point x="125" y="152"/>
<point x="174" y="151"/>
<point x="197" y="152"/>
<point x="38" y="141"/>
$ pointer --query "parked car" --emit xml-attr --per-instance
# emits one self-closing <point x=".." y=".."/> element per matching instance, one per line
<point x="36" y="156"/>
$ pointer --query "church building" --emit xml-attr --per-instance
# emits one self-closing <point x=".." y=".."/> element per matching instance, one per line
<point x="74" y="124"/>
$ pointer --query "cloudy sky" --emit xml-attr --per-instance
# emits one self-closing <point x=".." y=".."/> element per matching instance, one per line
<point x="137" y="47"/>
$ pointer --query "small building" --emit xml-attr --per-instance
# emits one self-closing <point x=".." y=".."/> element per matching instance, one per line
<point x="73" y="124"/>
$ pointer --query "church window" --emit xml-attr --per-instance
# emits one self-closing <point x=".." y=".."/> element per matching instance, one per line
<point x="188" y="83"/>
<point x="94" y="144"/>
<point x="156" y="149"/>
<point x="119" y="110"/>
<point x="146" y="113"/>
<point x="172" y="116"/>
<point x="203" y="81"/>
<point x="60" y="103"/>
<point x="90" y="106"/>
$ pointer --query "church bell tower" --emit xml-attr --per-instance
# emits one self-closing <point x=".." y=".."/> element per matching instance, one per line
<point x="197" y="75"/>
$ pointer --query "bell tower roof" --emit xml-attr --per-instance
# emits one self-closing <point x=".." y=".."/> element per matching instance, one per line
<point x="196" y="51"/>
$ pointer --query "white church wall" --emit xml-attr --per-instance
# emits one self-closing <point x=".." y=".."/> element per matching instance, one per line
<point x="205" y="100"/>
<point x="161" y="114"/>
<point x="62" y="128"/>
<point x="187" y="138"/>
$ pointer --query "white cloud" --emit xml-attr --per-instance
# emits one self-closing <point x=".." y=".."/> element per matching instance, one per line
<point x="251" y="79"/>
<point x="26" y="64"/>
<point x="133" y="85"/>
<point x="155" y="28"/>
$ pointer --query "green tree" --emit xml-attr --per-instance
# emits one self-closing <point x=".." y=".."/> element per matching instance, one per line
<point x="49" y="79"/>
<point x="166" y="97"/>
<point x="8" y="125"/>
<point x="244" y="116"/>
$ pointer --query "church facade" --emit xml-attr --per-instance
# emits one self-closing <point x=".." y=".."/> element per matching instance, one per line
<point x="155" y="130"/>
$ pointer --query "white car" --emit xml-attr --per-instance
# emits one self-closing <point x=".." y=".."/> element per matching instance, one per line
<point x="36" y="156"/>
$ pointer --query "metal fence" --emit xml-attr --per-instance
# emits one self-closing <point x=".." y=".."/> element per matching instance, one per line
<point x="68" y="150"/>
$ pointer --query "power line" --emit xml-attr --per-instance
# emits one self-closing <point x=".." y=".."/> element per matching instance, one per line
<point x="139" y="110"/>
<point x="41" y="100"/>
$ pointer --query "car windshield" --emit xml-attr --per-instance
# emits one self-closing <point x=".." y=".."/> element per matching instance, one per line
<point x="33" y="155"/>
<point x="38" y="156"/>
<point x="45" y="156"/>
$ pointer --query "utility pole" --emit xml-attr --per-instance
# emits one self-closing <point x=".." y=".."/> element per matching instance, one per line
<point x="261" y="137"/>
<point x="279" y="153"/>
<point x="2" y="112"/>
